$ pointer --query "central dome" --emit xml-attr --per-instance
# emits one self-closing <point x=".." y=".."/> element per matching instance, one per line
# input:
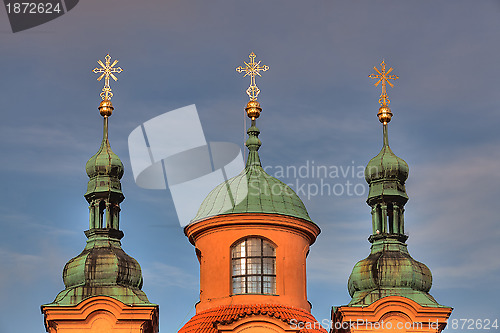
<point x="252" y="191"/>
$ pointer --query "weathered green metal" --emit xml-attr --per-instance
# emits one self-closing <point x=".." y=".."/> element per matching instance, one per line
<point x="389" y="270"/>
<point x="103" y="268"/>
<point x="105" y="169"/>
<point x="252" y="191"/>
<point x="386" y="174"/>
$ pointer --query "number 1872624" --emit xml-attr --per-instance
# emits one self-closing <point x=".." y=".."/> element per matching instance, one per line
<point x="474" y="324"/>
<point x="33" y="8"/>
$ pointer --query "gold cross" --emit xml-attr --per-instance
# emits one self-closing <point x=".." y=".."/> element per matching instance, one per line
<point x="252" y="69"/>
<point x="383" y="77"/>
<point x="107" y="70"/>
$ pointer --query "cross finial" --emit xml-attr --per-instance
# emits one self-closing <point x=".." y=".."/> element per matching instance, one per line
<point x="107" y="69"/>
<point x="383" y="77"/>
<point x="252" y="69"/>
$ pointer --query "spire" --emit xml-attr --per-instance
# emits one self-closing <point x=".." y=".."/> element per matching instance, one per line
<point x="253" y="108"/>
<point x="389" y="269"/>
<point x="103" y="268"/>
<point x="105" y="168"/>
<point x="386" y="173"/>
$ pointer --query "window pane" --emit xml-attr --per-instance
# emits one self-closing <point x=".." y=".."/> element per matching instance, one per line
<point x="239" y="266"/>
<point x="268" y="249"/>
<point x="269" y="264"/>
<point x="269" y="284"/>
<point x="254" y="285"/>
<point x="254" y="247"/>
<point x="238" y="250"/>
<point x="239" y="285"/>
<point x="254" y="266"/>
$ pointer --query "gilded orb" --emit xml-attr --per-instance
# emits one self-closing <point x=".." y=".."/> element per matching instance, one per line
<point x="106" y="108"/>
<point x="384" y="114"/>
<point x="253" y="109"/>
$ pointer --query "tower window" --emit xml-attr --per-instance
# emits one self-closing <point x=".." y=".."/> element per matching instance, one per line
<point x="253" y="267"/>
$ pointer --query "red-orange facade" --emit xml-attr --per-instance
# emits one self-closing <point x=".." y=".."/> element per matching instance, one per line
<point x="220" y="308"/>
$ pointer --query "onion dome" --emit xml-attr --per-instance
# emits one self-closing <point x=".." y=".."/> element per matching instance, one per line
<point x="105" y="169"/>
<point x="389" y="270"/>
<point x="102" y="268"/>
<point x="104" y="163"/>
<point x="386" y="165"/>
<point x="253" y="190"/>
<point x="386" y="173"/>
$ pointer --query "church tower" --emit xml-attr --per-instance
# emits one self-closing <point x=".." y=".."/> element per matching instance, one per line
<point x="103" y="284"/>
<point x="389" y="289"/>
<point x="252" y="235"/>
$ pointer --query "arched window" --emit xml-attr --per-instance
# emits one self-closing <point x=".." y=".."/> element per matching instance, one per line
<point x="253" y="267"/>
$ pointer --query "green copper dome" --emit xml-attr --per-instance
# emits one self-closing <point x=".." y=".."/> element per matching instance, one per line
<point x="389" y="270"/>
<point x="104" y="163"/>
<point x="386" y="165"/>
<point x="102" y="268"/>
<point x="386" y="174"/>
<point x="252" y="191"/>
<point x="105" y="169"/>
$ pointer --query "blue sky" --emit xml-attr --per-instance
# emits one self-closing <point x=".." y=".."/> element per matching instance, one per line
<point x="318" y="106"/>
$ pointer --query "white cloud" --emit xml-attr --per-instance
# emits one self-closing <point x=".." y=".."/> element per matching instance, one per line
<point x="37" y="149"/>
<point x="18" y="269"/>
<point x="452" y="218"/>
<point x="160" y="274"/>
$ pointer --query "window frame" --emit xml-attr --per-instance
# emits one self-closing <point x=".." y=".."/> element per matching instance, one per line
<point x="244" y="289"/>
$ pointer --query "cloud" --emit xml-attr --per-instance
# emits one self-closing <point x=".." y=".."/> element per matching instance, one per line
<point x="479" y="266"/>
<point x="42" y="149"/>
<point x="453" y="197"/>
<point x="451" y="213"/>
<point x="44" y="263"/>
<point x="164" y="275"/>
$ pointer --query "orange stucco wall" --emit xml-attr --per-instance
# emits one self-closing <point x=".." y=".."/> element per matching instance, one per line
<point x="101" y="314"/>
<point x="214" y="237"/>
